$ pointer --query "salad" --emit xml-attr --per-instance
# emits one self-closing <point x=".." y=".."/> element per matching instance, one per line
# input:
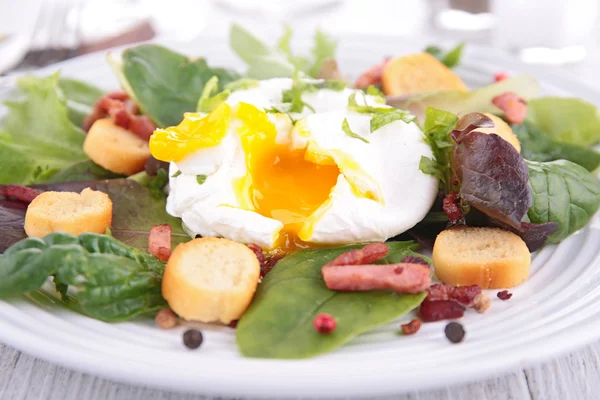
<point x="286" y="201"/>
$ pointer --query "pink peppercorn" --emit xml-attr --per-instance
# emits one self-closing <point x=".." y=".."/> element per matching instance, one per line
<point x="324" y="323"/>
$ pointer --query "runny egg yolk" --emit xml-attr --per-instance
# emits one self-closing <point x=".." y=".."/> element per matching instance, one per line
<point x="280" y="183"/>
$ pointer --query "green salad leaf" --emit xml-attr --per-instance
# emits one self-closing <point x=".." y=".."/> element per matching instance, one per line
<point x="348" y="131"/>
<point x="537" y="146"/>
<point x="278" y="323"/>
<point x="437" y="127"/>
<point x="459" y="102"/>
<point x="37" y="136"/>
<point x="135" y="211"/>
<point x="105" y="278"/>
<point x="211" y="97"/>
<point x="166" y="84"/>
<point x="563" y="192"/>
<point x="451" y="58"/>
<point x="265" y="61"/>
<point x="80" y="98"/>
<point x="567" y="119"/>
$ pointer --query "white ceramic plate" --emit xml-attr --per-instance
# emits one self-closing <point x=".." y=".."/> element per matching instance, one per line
<point x="555" y="311"/>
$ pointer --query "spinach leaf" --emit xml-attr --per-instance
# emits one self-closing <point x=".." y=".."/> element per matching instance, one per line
<point x="80" y="98"/>
<point x="563" y="192"/>
<point x="37" y="137"/>
<point x="449" y="59"/>
<point x="166" y="84"/>
<point x="278" y="323"/>
<point x="537" y="146"/>
<point x="265" y="61"/>
<point x="135" y="212"/>
<point x="106" y="279"/>
<point x="567" y="119"/>
<point x="460" y="102"/>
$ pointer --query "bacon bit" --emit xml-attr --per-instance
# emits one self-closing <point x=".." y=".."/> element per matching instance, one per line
<point x="514" y="107"/>
<point x="431" y="311"/>
<point x="451" y="207"/>
<point x="367" y="255"/>
<point x="504" y="295"/>
<point x="124" y="112"/>
<point x="372" y="76"/>
<point x="412" y="327"/>
<point x="481" y="303"/>
<point x="414" y="260"/>
<point x="159" y="241"/>
<point x="500" y="76"/>
<point x="233" y="324"/>
<point x="464" y="295"/>
<point x="402" y="278"/>
<point x="23" y="194"/>
<point x="266" y="263"/>
<point x="166" y="319"/>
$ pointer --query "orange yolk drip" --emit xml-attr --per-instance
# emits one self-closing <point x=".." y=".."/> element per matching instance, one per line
<point x="280" y="183"/>
<point x="289" y="189"/>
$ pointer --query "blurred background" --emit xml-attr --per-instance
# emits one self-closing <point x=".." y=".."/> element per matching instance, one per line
<point x="564" y="33"/>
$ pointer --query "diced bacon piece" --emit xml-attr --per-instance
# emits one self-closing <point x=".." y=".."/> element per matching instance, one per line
<point x="500" y="76"/>
<point x="367" y="255"/>
<point x="22" y="193"/>
<point x="514" y="107"/>
<point x="431" y="311"/>
<point x="372" y="76"/>
<point x="402" y="278"/>
<point x="159" y="241"/>
<point x="125" y="113"/>
<point x="462" y="294"/>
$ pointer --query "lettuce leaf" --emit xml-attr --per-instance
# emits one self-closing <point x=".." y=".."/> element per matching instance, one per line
<point x="265" y="61"/>
<point x="457" y="102"/>
<point x="451" y="58"/>
<point x="80" y="98"/>
<point x="135" y="212"/>
<point x="37" y="135"/>
<point x="567" y="119"/>
<point x="165" y="84"/>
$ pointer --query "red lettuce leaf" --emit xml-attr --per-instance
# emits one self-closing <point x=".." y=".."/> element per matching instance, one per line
<point x="135" y="212"/>
<point x="493" y="176"/>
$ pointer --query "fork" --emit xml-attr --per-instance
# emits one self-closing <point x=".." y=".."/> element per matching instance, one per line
<point x="50" y="34"/>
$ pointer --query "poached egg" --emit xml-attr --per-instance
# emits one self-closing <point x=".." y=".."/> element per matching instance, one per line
<point x="294" y="180"/>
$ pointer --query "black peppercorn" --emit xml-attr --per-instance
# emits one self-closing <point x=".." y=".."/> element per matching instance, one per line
<point x="192" y="339"/>
<point x="455" y="332"/>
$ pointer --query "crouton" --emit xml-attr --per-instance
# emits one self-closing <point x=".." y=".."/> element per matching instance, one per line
<point x="90" y="211"/>
<point x="115" y="148"/>
<point x="210" y="279"/>
<point x="418" y="73"/>
<point x="489" y="257"/>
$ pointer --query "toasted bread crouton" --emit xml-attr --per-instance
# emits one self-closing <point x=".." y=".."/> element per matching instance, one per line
<point x="503" y="130"/>
<point x="488" y="257"/>
<point x="90" y="211"/>
<point x="418" y="73"/>
<point x="211" y="279"/>
<point x="116" y="149"/>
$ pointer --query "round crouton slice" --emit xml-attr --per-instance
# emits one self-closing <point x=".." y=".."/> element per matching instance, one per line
<point x="418" y="73"/>
<point x="116" y="149"/>
<point x="488" y="257"/>
<point x="211" y="279"/>
<point x="503" y="130"/>
<point x="90" y="211"/>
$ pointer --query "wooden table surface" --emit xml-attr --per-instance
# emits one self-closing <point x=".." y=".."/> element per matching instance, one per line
<point x="570" y="377"/>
